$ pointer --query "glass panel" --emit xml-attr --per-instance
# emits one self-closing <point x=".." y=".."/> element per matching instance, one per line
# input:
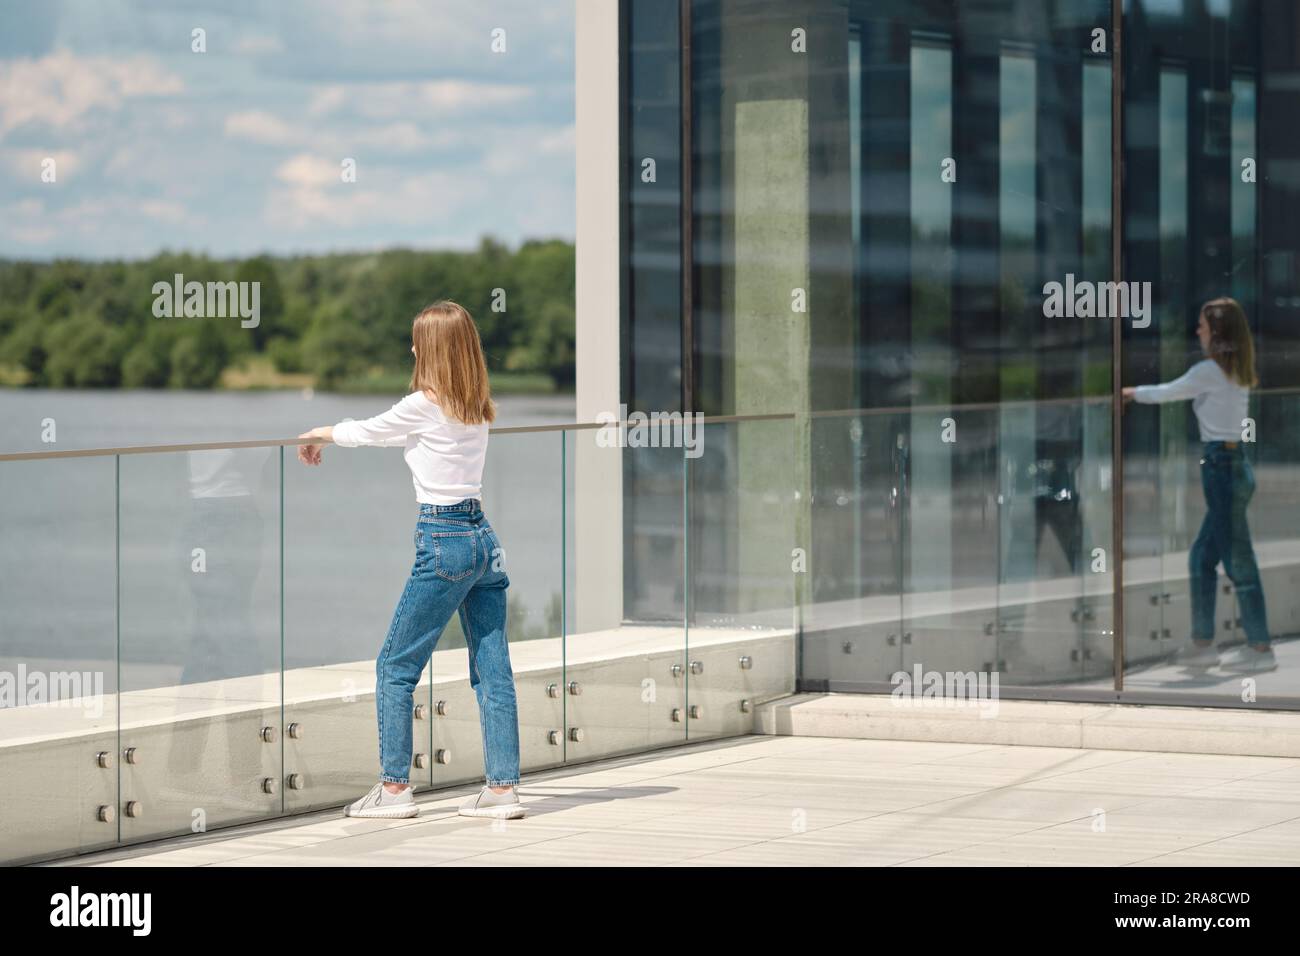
<point x="850" y="595"/>
<point x="528" y="520"/>
<point x="200" y="639"/>
<point x="58" y="656"/>
<point x="744" y="560"/>
<point x="349" y="527"/>
<point x="1033" y="442"/>
<point x="1274" y="520"/>
<point x="1174" y="473"/>
<point x="950" y="604"/>
<point x="1054" y="504"/>
<point x="1209" y="479"/>
<point x="916" y="177"/>
<point x="652" y="210"/>
<point x="625" y="640"/>
<point x="1097" y="555"/>
<point x="1244" y="194"/>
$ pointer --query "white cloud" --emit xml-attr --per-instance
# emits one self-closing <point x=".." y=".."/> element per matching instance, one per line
<point x="108" y="222"/>
<point x="33" y="234"/>
<point x="327" y="100"/>
<point x="162" y="149"/>
<point x="258" y="126"/>
<point x="309" y="172"/>
<point x="382" y="196"/>
<point x="403" y="137"/>
<point x="266" y="129"/>
<point x="404" y="100"/>
<point x="61" y="88"/>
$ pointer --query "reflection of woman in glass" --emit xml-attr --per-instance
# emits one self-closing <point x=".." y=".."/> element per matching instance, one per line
<point x="1219" y="387"/>
<point x="224" y="645"/>
<point x="443" y="425"/>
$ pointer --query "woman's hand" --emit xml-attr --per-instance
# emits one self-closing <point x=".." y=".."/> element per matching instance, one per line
<point x="311" y="454"/>
<point x="1129" y="393"/>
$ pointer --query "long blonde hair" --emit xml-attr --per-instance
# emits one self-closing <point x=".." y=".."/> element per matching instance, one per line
<point x="449" y="363"/>
<point x="1230" y="342"/>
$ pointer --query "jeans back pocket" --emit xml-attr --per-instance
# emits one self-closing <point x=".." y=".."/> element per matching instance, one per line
<point x="455" y="554"/>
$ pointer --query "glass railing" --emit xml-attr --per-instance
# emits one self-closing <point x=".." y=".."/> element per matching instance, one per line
<point x="59" y="655"/>
<point x="188" y="634"/>
<point x="980" y="540"/>
<point x="972" y="539"/>
<point x="1165" y="510"/>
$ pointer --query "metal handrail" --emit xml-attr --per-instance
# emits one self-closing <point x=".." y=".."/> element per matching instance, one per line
<point x="279" y="442"/>
<point x="1105" y="399"/>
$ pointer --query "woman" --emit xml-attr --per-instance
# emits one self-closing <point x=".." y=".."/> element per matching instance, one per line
<point x="443" y="425"/>
<point x="1219" y="387"/>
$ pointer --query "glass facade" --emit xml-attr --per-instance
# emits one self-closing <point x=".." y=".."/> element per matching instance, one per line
<point x="944" y="236"/>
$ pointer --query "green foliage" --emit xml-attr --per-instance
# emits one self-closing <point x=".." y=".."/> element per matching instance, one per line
<point x="144" y="367"/>
<point x="335" y="348"/>
<point x="270" y="298"/>
<point x="25" y="347"/>
<point x="148" y="363"/>
<point x="83" y="352"/>
<point x="285" y="354"/>
<point x="548" y="345"/>
<point x="344" y="319"/>
<point x="197" y="360"/>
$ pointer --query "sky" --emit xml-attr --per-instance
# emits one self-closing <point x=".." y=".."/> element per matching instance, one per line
<point x="239" y="150"/>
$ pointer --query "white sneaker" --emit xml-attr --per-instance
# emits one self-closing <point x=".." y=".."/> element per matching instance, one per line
<point x="486" y="803"/>
<point x="1247" y="660"/>
<point x="380" y="803"/>
<point x="1194" y="656"/>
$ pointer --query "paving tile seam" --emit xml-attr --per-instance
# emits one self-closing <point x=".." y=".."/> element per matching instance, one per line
<point x="909" y="810"/>
<point x="776" y="840"/>
<point x="471" y="826"/>
<point x="1218" y="839"/>
<point x="978" y="843"/>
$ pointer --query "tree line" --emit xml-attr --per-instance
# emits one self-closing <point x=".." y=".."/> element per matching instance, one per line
<point x="341" y="319"/>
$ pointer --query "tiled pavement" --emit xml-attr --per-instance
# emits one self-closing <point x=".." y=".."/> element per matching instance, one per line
<point x="821" y="801"/>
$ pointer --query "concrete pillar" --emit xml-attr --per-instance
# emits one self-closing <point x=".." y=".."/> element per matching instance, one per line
<point x="596" y="579"/>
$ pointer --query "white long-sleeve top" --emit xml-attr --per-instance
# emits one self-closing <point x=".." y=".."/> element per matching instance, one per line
<point x="445" y="456"/>
<point x="1220" y="403"/>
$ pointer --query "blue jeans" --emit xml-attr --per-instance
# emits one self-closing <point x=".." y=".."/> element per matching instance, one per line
<point x="458" y="566"/>
<point x="1228" y="482"/>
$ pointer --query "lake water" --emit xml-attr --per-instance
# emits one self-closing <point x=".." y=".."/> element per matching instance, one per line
<point x="112" y="419"/>
<point x="200" y="577"/>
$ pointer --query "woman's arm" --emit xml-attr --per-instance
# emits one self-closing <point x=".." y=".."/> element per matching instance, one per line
<point x="1197" y="379"/>
<point x="390" y="428"/>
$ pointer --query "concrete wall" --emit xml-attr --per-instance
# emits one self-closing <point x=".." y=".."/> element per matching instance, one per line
<point x="596" y="584"/>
